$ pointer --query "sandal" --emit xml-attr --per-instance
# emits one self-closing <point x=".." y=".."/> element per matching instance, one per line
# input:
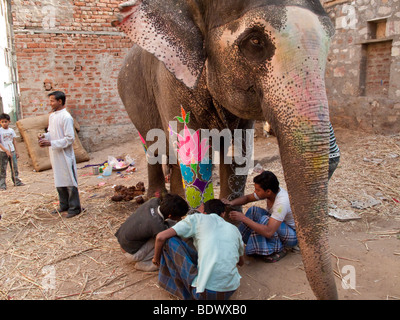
<point x="275" y="257"/>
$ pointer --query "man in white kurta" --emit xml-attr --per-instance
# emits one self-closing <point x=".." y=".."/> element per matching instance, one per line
<point x="60" y="138"/>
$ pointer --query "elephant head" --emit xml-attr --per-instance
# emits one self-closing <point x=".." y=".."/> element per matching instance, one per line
<point x="262" y="59"/>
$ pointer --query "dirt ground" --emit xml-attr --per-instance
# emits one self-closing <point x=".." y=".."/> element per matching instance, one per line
<point x="49" y="257"/>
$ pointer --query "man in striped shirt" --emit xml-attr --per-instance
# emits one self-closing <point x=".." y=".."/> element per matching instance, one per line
<point x="334" y="152"/>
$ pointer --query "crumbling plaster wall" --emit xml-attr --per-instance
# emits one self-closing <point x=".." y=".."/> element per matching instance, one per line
<point x="351" y="105"/>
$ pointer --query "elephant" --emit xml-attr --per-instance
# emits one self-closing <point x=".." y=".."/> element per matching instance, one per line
<point x="222" y="64"/>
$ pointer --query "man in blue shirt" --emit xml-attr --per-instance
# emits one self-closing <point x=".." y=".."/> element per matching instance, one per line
<point x="211" y="272"/>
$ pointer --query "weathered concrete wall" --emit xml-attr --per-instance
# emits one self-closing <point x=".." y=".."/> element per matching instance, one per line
<point x="71" y="46"/>
<point x="363" y="71"/>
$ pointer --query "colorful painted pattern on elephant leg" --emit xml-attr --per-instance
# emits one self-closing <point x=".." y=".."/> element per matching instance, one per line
<point x="196" y="169"/>
<point x="143" y="142"/>
<point x="198" y="184"/>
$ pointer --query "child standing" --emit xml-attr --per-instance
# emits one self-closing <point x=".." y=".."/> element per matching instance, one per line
<point x="8" y="152"/>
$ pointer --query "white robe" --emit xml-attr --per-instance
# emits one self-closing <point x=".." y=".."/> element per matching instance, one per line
<point x="61" y="133"/>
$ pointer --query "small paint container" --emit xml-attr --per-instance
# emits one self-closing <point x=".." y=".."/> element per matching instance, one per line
<point x="95" y="170"/>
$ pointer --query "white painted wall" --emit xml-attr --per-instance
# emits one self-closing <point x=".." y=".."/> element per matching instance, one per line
<point x="6" y="88"/>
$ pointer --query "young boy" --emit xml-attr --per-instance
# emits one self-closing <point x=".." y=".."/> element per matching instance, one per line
<point x="210" y="273"/>
<point x="136" y="235"/>
<point x="266" y="232"/>
<point x="8" y="152"/>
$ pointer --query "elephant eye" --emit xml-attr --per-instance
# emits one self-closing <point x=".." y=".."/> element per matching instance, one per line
<point x="255" y="46"/>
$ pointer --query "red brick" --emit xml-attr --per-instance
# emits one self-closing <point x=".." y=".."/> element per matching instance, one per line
<point x="73" y="63"/>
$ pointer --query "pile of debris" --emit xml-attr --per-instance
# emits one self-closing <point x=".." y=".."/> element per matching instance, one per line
<point x="123" y="193"/>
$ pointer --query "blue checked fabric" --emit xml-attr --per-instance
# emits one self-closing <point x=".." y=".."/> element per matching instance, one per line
<point x="178" y="268"/>
<point x="260" y="245"/>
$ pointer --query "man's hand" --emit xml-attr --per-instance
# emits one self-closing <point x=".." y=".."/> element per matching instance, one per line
<point x="237" y="216"/>
<point x="44" y="143"/>
<point x="226" y="201"/>
<point x="160" y="240"/>
<point x="156" y="261"/>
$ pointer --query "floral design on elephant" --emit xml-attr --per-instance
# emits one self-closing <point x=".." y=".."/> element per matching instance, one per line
<point x="208" y="192"/>
<point x="193" y="196"/>
<point x="190" y="149"/>
<point x="196" y="169"/>
<point x="237" y="183"/>
<point x="205" y="169"/>
<point x="187" y="173"/>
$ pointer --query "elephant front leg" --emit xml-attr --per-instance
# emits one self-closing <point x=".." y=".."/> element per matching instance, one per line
<point x="176" y="181"/>
<point x="234" y="167"/>
<point x="232" y="185"/>
<point x="156" y="180"/>
<point x="197" y="183"/>
<point x="155" y="172"/>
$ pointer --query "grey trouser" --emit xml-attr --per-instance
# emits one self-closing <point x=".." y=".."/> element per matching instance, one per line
<point x="4" y="159"/>
<point x="143" y="257"/>
<point x="69" y="199"/>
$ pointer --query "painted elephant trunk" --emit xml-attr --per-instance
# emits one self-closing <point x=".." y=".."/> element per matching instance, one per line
<point x="305" y="160"/>
<point x="299" y="115"/>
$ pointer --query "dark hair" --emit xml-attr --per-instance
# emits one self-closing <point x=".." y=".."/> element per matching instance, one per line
<point x="267" y="180"/>
<point x="214" y="206"/>
<point x="174" y="205"/>
<point x="59" y="95"/>
<point x="5" y="116"/>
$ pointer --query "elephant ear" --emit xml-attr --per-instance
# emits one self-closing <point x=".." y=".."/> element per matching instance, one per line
<point x="167" y="29"/>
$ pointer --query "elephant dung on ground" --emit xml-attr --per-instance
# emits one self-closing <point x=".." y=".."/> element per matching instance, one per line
<point x="221" y="64"/>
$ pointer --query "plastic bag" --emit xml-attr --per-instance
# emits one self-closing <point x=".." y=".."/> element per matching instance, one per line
<point x="129" y="161"/>
<point x="111" y="163"/>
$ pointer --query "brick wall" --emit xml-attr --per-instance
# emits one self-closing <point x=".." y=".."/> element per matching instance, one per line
<point x="71" y="46"/>
<point x="378" y="69"/>
<point x="363" y="70"/>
